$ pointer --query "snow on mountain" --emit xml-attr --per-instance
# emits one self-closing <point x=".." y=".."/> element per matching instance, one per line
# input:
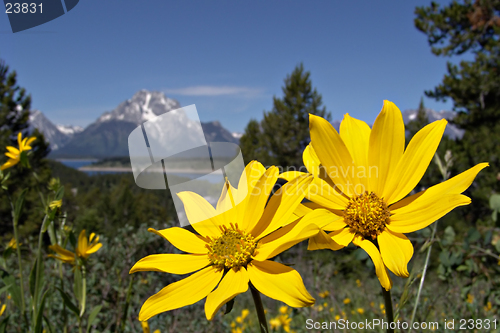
<point x="451" y="130"/>
<point x="69" y="129"/>
<point x="143" y="106"/>
<point x="56" y="135"/>
<point x="108" y="135"/>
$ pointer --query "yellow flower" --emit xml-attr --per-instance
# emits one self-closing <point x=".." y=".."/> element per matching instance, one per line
<point x="470" y="298"/>
<point x="360" y="310"/>
<point x="324" y="294"/>
<point x="83" y="250"/>
<point x="284" y="309"/>
<point x="157" y="331"/>
<point x="245" y="313"/>
<point x="55" y="204"/>
<point x="12" y="244"/>
<point x="347" y="301"/>
<point x="275" y="323"/>
<point x="234" y="244"/>
<point x="358" y="283"/>
<point x="14" y="154"/>
<point x="337" y="317"/>
<point x="285" y="322"/>
<point x="363" y="176"/>
<point x="2" y="309"/>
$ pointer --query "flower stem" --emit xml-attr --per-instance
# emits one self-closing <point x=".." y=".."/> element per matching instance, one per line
<point x="424" y="271"/>
<point x="260" y="309"/>
<point x="388" y="309"/>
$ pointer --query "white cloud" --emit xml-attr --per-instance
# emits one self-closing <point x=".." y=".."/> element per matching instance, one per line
<point x="215" y="91"/>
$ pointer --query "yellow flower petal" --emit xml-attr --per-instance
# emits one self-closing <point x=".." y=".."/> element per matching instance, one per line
<point x="342" y="237"/>
<point x="311" y="160"/>
<point x="286" y="237"/>
<point x="8" y="164"/>
<point x="234" y="283"/>
<point x="279" y="282"/>
<point x="183" y="239"/>
<point x="420" y="213"/>
<point x="291" y="175"/>
<point x="380" y="269"/>
<point x="333" y="154"/>
<point x="387" y="143"/>
<point x="225" y="206"/>
<point x="30" y="140"/>
<point x="200" y="213"/>
<point x="414" y="163"/>
<point x="13" y="150"/>
<point x="181" y="293"/>
<point x="322" y="193"/>
<point x="82" y="243"/>
<point x="258" y="197"/>
<point x="171" y="263"/>
<point x="396" y="251"/>
<point x="323" y="241"/>
<point x="93" y="248"/>
<point x="19" y="139"/>
<point x="12" y="156"/>
<point x="281" y="206"/>
<point x="356" y="136"/>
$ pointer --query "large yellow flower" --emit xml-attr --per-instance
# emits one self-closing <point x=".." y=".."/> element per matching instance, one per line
<point x="363" y="176"/>
<point x="234" y="244"/>
<point x="83" y="250"/>
<point x="14" y="154"/>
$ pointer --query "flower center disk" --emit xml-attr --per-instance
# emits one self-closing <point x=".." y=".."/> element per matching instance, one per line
<point x="367" y="215"/>
<point x="233" y="248"/>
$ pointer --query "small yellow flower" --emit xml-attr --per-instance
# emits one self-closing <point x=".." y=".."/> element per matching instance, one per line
<point x="470" y="298"/>
<point x="488" y="307"/>
<point x="382" y="306"/>
<point x="360" y="310"/>
<point x="319" y="308"/>
<point x="331" y="309"/>
<point x="284" y="309"/>
<point x="55" y="204"/>
<point x="347" y="301"/>
<point x="233" y="324"/>
<point x="372" y="304"/>
<point x="337" y="317"/>
<point x="239" y="320"/>
<point x="325" y="304"/>
<point x="144" y="281"/>
<point x="157" y="331"/>
<point x="275" y="323"/>
<point x="358" y="283"/>
<point x="12" y="244"/>
<point x="324" y="294"/>
<point x="237" y="330"/>
<point x="245" y="313"/>
<point x="83" y="250"/>
<point x="2" y="309"/>
<point x="14" y="154"/>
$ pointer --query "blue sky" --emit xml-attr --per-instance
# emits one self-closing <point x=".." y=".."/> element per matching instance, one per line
<point x="227" y="57"/>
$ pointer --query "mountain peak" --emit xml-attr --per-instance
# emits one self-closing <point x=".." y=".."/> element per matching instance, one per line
<point x="143" y="106"/>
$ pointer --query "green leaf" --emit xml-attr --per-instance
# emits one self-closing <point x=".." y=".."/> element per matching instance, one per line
<point x="32" y="278"/>
<point x="39" y="315"/>
<point x="14" y="290"/>
<point x="18" y="207"/>
<point x="77" y="286"/>
<point x="473" y="235"/>
<point x="52" y="233"/>
<point x="4" y="289"/>
<point x="67" y="300"/>
<point x="60" y="193"/>
<point x="449" y="235"/>
<point x="49" y="325"/>
<point x="93" y="314"/>
<point x="444" y="257"/>
<point x="3" y="324"/>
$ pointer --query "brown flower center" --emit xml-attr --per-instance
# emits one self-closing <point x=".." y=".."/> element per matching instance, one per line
<point x="233" y="248"/>
<point x="367" y="215"/>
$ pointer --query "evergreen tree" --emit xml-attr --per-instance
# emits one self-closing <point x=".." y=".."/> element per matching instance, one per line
<point x="419" y="122"/>
<point x="284" y="132"/>
<point x="15" y="107"/>
<point x="474" y="86"/>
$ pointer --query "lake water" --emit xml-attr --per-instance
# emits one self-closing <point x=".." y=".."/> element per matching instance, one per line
<point x="75" y="164"/>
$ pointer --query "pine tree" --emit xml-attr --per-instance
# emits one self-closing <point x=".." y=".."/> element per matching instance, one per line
<point x="283" y="133"/>
<point x="419" y="122"/>
<point x="474" y="86"/>
<point x="15" y="107"/>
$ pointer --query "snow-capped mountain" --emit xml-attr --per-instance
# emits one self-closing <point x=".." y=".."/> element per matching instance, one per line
<point x="108" y="135"/>
<point x="56" y="135"/>
<point x="452" y="131"/>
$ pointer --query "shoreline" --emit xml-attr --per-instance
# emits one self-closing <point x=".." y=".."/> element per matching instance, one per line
<point x="125" y="169"/>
